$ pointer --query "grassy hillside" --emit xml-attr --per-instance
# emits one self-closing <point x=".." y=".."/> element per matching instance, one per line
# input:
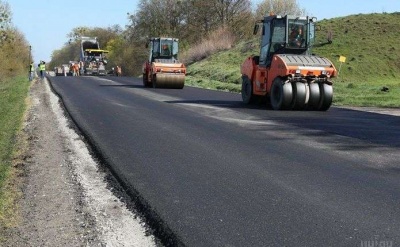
<point x="369" y="43"/>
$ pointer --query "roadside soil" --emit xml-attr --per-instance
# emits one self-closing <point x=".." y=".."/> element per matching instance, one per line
<point x="66" y="200"/>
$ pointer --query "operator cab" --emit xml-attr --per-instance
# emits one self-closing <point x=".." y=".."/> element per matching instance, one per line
<point x="163" y="48"/>
<point x="285" y="35"/>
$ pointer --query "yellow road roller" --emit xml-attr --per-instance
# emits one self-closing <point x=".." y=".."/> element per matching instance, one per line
<point x="163" y="70"/>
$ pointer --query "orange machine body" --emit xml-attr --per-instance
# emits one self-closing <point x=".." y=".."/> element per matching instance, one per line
<point x="262" y="76"/>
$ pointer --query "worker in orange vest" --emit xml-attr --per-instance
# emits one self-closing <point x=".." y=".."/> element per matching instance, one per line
<point x="118" y="71"/>
<point x="76" y="69"/>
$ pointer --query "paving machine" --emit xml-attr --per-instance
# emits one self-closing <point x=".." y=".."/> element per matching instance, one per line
<point x="286" y="72"/>
<point x="163" y="70"/>
<point x="92" y="59"/>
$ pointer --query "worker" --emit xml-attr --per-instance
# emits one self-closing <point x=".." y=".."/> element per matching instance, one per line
<point x="31" y="71"/>
<point x="296" y="37"/>
<point x="118" y="71"/>
<point x="76" y="69"/>
<point x="42" y="69"/>
<point x="165" y="50"/>
<point x="71" y="68"/>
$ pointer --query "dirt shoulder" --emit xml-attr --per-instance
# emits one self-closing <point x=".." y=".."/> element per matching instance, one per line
<point x="65" y="199"/>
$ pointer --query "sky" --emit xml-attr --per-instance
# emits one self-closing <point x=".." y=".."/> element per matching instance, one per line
<point x="46" y="23"/>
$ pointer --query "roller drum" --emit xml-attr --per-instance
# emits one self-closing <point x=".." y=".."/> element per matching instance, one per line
<point x="169" y="81"/>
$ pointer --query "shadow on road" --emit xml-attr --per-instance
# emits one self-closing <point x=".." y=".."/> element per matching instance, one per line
<point x="374" y="128"/>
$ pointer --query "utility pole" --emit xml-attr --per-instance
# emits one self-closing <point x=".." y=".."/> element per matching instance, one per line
<point x="30" y="64"/>
<point x="30" y="51"/>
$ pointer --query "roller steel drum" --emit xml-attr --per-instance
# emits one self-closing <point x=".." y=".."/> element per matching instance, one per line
<point x="169" y="80"/>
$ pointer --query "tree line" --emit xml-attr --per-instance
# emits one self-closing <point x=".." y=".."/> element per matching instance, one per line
<point x="193" y="22"/>
<point x="14" y="48"/>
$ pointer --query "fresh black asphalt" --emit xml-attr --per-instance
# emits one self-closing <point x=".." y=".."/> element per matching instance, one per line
<point x="215" y="172"/>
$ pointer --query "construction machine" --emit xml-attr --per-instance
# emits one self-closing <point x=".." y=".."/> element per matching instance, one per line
<point x="92" y="59"/>
<point x="163" y="70"/>
<point x="58" y="70"/>
<point x="286" y="72"/>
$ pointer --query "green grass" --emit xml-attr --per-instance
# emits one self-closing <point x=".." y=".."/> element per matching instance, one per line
<point x="13" y="93"/>
<point x="221" y="71"/>
<point x="367" y="93"/>
<point x="368" y="41"/>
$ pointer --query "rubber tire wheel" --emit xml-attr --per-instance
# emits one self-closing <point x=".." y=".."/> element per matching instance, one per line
<point x="299" y="96"/>
<point x="154" y="81"/>
<point x="145" y="81"/>
<point x="247" y="90"/>
<point x="281" y="95"/>
<point x="315" y="96"/>
<point x="326" y="96"/>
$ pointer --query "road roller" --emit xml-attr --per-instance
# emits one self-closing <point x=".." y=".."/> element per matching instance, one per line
<point x="286" y="73"/>
<point x="163" y="69"/>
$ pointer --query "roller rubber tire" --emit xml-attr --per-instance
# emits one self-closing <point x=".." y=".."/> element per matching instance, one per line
<point x="299" y="96"/>
<point x="281" y="95"/>
<point x="326" y="96"/>
<point x="315" y="95"/>
<point x="247" y="90"/>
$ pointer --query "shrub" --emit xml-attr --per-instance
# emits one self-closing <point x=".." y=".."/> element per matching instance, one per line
<point x="221" y="39"/>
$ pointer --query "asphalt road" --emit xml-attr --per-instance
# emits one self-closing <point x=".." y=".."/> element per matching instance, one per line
<point x="211" y="171"/>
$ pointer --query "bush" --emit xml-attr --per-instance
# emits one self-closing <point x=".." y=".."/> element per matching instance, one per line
<point x="221" y="39"/>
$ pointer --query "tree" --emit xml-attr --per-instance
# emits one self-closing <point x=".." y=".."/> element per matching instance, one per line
<point x="5" y="15"/>
<point x="71" y="50"/>
<point x="204" y="17"/>
<point x="278" y="7"/>
<point x="200" y="18"/>
<point x="228" y="11"/>
<point x="188" y="19"/>
<point x="14" y="49"/>
<point x="103" y="35"/>
<point x="235" y="14"/>
<point x="5" y="21"/>
<point x="157" y="18"/>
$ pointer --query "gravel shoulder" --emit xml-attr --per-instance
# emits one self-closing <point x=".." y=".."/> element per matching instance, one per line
<point x="66" y="200"/>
